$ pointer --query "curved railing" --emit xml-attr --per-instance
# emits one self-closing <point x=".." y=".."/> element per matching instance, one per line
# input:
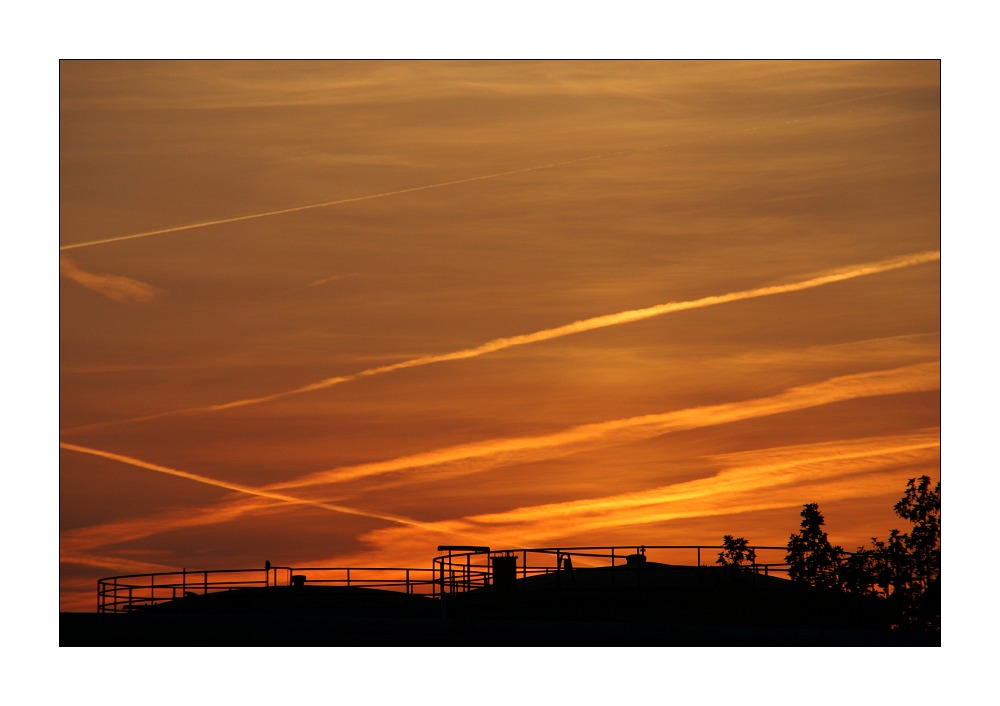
<point x="123" y="594"/>
<point x="468" y="568"/>
<point x="462" y="569"/>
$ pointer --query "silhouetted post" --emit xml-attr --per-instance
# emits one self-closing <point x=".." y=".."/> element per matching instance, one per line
<point x="267" y="572"/>
<point x="504" y="571"/>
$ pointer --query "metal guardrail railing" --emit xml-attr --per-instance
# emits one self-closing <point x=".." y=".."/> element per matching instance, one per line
<point x="123" y="594"/>
<point x="462" y="569"/>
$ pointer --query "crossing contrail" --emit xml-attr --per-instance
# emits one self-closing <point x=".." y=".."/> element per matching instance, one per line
<point x="489" y="454"/>
<point x="593" y="323"/>
<point x="240" y="487"/>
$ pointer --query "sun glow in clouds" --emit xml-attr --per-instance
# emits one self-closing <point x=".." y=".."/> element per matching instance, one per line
<point x="244" y="244"/>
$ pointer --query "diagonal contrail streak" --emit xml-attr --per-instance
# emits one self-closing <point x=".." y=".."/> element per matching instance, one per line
<point x="425" y="187"/>
<point x="489" y="454"/>
<point x="593" y="323"/>
<point x="240" y="487"/>
<point x="482" y="455"/>
<point x="337" y="202"/>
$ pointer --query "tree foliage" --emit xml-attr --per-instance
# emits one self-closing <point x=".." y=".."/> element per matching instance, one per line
<point x="904" y="569"/>
<point x="811" y="559"/>
<point x="735" y="551"/>
<point x="913" y="559"/>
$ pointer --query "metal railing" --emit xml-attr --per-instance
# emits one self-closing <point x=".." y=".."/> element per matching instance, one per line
<point x="461" y="570"/>
<point x="458" y="572"/>
<point x="123" y="594"/>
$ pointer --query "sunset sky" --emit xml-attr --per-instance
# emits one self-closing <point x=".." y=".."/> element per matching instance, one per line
<point x="339" y="313"/>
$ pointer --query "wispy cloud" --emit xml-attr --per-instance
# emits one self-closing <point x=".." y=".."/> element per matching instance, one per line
<point x="581" y="326"/>
<point x="82" y="540"/>
<point x="321" y="281"/>
<point x="482" y="455"/>
<point x="115" y="287"/>
<point x="766" y="480"/>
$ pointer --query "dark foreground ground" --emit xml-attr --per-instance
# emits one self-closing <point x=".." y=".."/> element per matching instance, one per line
<point x="651" y="605"/>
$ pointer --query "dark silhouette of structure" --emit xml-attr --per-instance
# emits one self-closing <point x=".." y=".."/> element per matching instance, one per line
<point x="472" y="595"/>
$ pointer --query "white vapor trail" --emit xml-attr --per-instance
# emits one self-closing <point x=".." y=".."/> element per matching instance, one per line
<point x="324" y="204"/>
<point x="425" y="187"/>
<point x="593" y="323"/>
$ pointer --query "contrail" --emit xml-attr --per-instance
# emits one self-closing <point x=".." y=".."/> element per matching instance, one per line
<point x="425" y="187"/>
<point x="368" y="197"/>
<point x="240" y="487"/>
<point x="450" y="462"/>
<point x="746" y="483"/>
<point x="597" y="322"/>
<point x="482" y="455"/>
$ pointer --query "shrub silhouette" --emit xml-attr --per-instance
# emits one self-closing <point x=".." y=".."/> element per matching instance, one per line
<point x="735" y="551"/>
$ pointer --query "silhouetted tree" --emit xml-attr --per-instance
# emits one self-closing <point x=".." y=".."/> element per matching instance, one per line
<point x="811" y="559"/>
<point x="735" y="551"/>
<point x="857" y="572"/>
<point x="914" y="557"/>
<point x="922" y="507"/>
<point x="905" y="569"/>
<point x="874" y="571"/>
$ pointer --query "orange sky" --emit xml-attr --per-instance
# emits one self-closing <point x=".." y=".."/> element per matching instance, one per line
<point x="343" y="312"/>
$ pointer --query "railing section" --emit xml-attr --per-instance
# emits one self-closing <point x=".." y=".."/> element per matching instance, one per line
<point x="455" y="572"/>
<point x="464" y="571"/>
